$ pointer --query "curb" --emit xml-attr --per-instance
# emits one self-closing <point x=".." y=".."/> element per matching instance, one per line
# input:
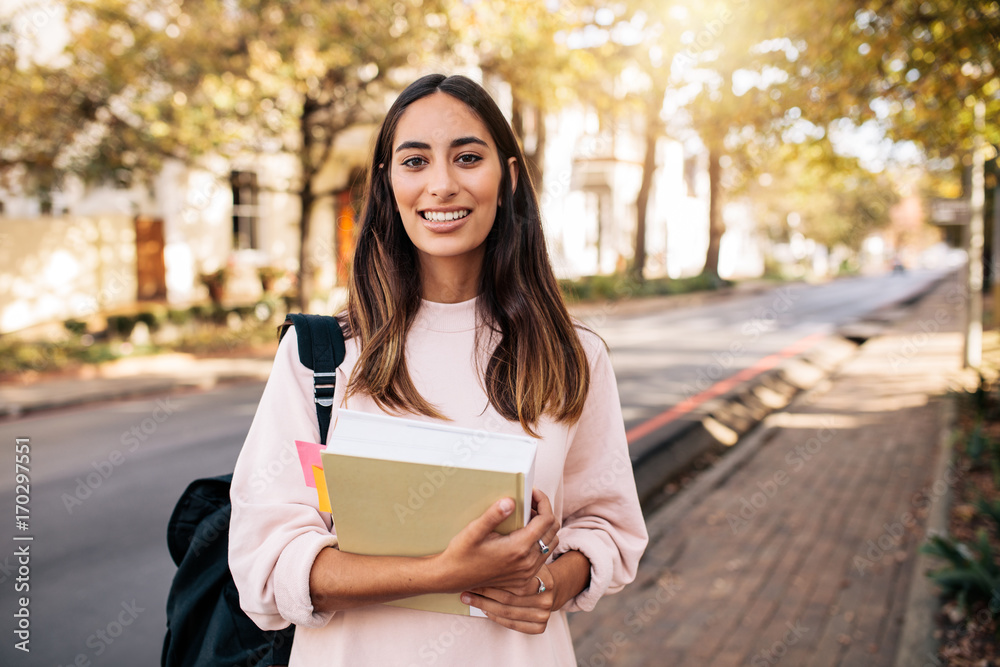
<point x="729" y="422"/>
<point x="917" y="643"/>
<point x="659" y="520"/>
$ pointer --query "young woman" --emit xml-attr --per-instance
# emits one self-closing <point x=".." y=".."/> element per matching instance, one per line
<point x="453" y="314"/>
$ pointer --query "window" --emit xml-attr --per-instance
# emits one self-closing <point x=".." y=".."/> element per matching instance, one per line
<point x="245" y="213"/>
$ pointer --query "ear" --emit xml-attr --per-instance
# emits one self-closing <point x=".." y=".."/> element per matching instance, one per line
<point x="512" y="165"/>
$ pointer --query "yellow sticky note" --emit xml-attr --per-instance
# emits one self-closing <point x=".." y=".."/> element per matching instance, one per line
<point x="324" y="497"/>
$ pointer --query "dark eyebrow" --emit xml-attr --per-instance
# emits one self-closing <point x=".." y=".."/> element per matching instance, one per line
<point x="461" y="141"/>
<point x="413" y="144"/>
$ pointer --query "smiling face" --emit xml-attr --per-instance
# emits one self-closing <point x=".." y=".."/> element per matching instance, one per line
<point x="445" y="174"/>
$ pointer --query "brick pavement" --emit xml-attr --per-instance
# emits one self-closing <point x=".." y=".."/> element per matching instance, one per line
<point x="804" y="554"/>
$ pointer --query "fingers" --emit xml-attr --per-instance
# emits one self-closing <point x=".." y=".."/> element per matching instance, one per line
<point x="543" y="523"/>
<point x="490" y="519"/>
<point x="528" y="614"/>
<point x="540" y="501"/>
<point x="479" y="557"/>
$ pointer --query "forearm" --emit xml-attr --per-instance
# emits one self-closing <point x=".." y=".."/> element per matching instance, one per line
<point x="341" y="580"/>
<point x="477" y="556"/>
<point x="571" y="574"/>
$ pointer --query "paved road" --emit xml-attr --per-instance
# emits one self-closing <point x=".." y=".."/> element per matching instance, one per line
<point x="105" y="477"/>
<point x="100" y="500"/>
<point x="661" y="358"/>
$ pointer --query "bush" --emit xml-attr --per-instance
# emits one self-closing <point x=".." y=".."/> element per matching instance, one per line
<point x="180" y="317"/>
<point x="75" y="327"/>
<point x="621" y="286"/>
<point x="973" y="571"/>
<point x="121" y="325"/>
<point x="153" y="319"/>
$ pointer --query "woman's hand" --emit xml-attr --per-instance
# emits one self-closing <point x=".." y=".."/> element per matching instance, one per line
<point x="522" y="608"/>
<point x="478" y="557"/>
<point x="527" y="610"/>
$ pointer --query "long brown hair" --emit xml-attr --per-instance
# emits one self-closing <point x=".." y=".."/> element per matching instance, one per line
<point x="538" y="365"/>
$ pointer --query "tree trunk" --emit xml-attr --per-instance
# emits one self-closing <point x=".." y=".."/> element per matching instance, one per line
<point x="306" y="198"/>
<point x="716" y="227"/>
<point x="642" y="199"/>
<point x="536" y="159"/>
<point x="306" y="272"/>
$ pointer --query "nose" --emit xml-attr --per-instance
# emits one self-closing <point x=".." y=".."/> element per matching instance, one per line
<point x="442" y="183"/>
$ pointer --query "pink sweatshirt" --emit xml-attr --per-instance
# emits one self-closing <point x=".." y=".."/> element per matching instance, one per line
<point x="277" y="530"/>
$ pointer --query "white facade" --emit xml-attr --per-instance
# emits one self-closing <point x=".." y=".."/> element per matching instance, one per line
<point x="591" y="181"/>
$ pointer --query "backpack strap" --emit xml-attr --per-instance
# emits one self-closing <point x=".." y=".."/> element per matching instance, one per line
<point x="321" y="349"/>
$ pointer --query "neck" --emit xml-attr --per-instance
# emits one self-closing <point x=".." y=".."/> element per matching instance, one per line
<point x="450" y="279"/>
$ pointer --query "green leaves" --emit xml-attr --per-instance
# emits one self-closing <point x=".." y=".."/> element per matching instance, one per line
<point x="973" y="571"/>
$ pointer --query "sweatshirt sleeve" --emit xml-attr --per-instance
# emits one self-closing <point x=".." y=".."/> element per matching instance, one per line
<point x="601" y="514"/>
<point x="276" y="530"/>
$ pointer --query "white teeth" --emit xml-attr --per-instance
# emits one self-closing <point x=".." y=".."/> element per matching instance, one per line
<point x="435" y="216"/>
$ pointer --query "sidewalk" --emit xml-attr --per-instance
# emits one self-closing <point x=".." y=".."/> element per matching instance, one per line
<point x="131" y="377"/>
<point x="799" y="547"/>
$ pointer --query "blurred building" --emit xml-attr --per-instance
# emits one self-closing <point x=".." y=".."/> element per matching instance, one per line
<point x="155" y="242"/>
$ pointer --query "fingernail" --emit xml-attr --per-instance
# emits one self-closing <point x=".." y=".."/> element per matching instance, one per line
<point x="506" y="505"/>
<point x="466" y="599"/>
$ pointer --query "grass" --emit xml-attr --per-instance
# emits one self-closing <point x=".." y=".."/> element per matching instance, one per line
<point x="620" y="286"/>
<point x="199" y="330"/>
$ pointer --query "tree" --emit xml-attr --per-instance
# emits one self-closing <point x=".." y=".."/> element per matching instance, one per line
<point x="623" y="73"/>
<point x="162" y="79"/>
<point x="831" y="199"/>
<point x="917" y="68"/>
<point x="515" y="41"/>
<point x="740" y="65"/>
<point x="725" y="66"/>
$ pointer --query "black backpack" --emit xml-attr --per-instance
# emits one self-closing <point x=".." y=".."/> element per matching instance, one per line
<point x="205" y="625"/>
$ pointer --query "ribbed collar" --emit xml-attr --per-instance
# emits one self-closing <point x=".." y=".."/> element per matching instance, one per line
<point x="447" y="317"/>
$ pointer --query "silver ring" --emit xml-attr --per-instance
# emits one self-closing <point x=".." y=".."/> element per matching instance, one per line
<point x="545" y="549"/>
<point x="541" y="585"/>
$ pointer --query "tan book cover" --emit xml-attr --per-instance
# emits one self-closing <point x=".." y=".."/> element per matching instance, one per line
<point x="403" y="487"/>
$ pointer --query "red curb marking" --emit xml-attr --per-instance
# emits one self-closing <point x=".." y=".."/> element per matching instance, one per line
<point x="721" y="387"/>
